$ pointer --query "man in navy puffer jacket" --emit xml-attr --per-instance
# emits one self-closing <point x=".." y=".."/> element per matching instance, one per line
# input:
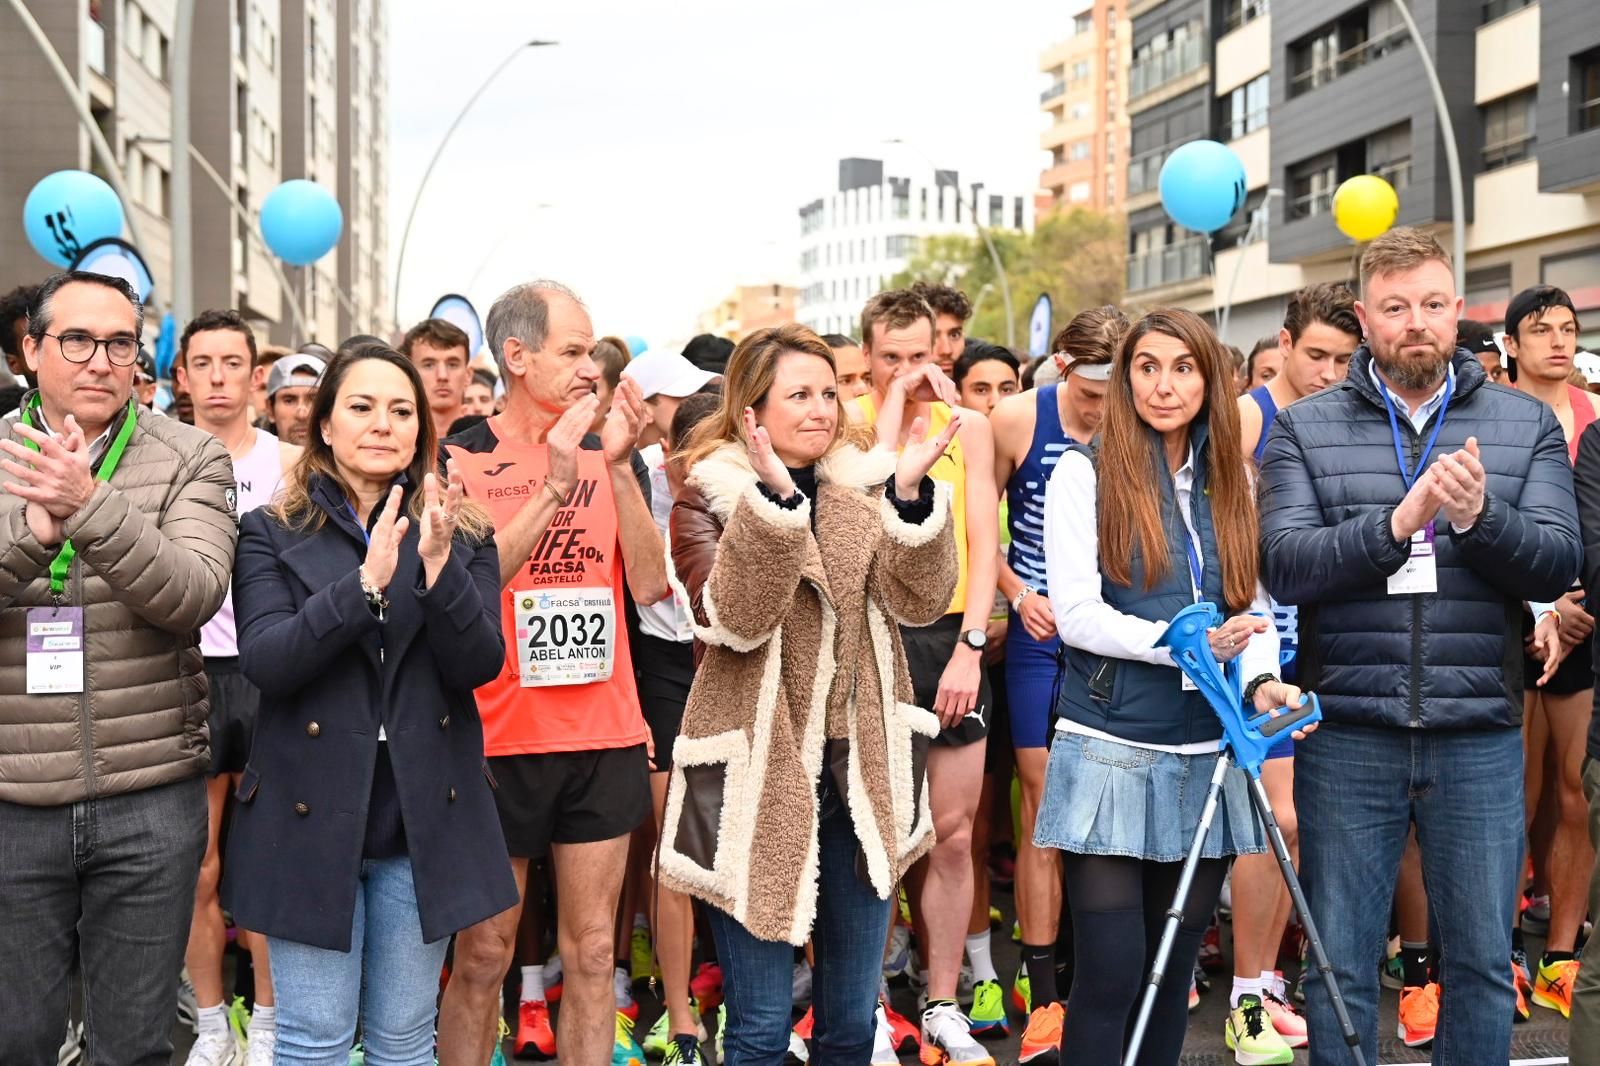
<point x="1409" y="512"/>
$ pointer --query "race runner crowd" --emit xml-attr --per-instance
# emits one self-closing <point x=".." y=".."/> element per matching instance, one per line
<point x="464" y="694"/>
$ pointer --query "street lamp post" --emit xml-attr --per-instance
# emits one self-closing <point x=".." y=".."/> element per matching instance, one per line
<point x="1452" y="157"/>
<point x="988" y="242"/>
<point x="411" y="216"/>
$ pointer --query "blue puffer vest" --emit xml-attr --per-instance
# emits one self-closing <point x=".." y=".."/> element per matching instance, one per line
<point x="1139" y="701"/>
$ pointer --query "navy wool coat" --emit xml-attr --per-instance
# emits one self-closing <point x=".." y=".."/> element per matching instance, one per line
<point x="330" y="673"/>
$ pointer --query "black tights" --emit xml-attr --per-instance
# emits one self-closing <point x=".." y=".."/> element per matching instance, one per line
<point x="1119" y="907"/>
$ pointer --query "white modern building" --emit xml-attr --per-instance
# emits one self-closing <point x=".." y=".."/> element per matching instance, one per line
<point x="853" y="240"/>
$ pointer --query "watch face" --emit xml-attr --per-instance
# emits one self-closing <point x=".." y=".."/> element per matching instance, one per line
<point x="976" y="639"/>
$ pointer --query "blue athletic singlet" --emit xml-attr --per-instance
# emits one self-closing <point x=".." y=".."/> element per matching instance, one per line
<point x="1031" y="665"/>
<point x="1286" y="617"/>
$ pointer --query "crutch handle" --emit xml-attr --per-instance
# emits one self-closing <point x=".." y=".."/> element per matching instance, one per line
<point x="1310" y="710"/>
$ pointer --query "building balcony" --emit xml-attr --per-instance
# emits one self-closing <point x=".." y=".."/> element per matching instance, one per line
<point x="1331" y="69"/>
<point x="1514" y="32"/>
<point x="94" y="45"/>
<point x="1151" y="74"/>
<point x="1186" y="261"/>
<point x="1056" y="90"/>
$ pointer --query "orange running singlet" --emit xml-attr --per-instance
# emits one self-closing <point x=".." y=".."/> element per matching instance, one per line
<point x="568" y="679"/>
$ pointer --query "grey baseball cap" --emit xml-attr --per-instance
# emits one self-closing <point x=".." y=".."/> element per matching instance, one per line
<point x="284" y="369"/>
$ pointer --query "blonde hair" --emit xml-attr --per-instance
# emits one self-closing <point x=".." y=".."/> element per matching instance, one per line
<point x="751" y="370"/>
<point x="1402" y="248"/>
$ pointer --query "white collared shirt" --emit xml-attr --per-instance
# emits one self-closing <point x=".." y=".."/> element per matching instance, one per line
<point x="97" y="447"/>
<point x="1432" y="404"/>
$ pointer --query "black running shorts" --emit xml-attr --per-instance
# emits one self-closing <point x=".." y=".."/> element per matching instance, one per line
<point x="569" y="797"/>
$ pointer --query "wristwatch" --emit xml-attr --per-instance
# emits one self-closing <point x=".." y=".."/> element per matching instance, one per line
<point x="976" y="639"/>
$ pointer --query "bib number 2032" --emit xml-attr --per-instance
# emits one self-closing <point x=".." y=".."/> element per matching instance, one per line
<point x="565" y="636"/>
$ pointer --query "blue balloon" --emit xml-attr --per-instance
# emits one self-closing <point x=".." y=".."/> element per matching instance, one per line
<point x="1202" y="185"/>
<point x="301" y="221"/>
<point x="635" y="344"/>
<point x="69" y="210"/>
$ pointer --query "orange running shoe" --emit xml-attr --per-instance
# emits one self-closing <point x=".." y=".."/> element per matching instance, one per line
<point x="905" y="1033"/>
<point x="1419" y="1014"/>
<point x="1524" y="986"/>
<point x="535" y="1039"/>
<point x="1041" y="1041"/>
<point x="1553" y="987"/>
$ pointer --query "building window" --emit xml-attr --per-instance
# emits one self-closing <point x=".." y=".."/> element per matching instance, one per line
<point x="1586" y="90"/>
<point x="1078" y="193"/>
<point x="1080" y="70"/>
<point x="997" y="211"/>
<point x="1080" y="151"/>
<point x="1083" y="23"/>
<point x="1245" y="109"/>
<point x="1508" y="129"/>
<point x="1166" y="57"/>
<point x="1389" y="155"/>
<point x="1494" y="9"/>
<point x="1311" y="185"/>
<point x="1236" y="13"/>
<point x="1351" y="41"/>
<point x="1488" y="285"/>
<point x="1080" y="111"/>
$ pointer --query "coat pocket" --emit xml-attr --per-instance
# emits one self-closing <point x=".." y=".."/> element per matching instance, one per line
<point x="915" y="728"/>
<point x="708" y="774"/>
<point x="249" y="781"/>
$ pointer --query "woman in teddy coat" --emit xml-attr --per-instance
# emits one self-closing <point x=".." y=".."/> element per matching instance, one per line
<point x="796" y="799"/>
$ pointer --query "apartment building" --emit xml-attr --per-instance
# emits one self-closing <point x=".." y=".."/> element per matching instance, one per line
<point x="1310" y="95"/>
<point x="1085" y="99"/>
<point x="749" y="308"/>
<point x="267" y="103"/>
<point x="857" y="237"/>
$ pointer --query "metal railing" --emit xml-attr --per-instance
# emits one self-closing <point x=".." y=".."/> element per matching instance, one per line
<point x="1240" y="125"/>
<point x="1504" y="152"/>
<point x="1185" y="261"/>
<point x="1589" y="114"/>
<point x="1150" y="74"/>
<point x="1311" y="204"/>
<point x="1145" y="168"/>
<point x="1494" y="9"/>
<point x="1238" y="12"/>
<point x="1337" y="66"/>
<point x="1055" y="90"/>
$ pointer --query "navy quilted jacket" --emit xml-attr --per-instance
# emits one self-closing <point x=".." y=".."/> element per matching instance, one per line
<point x="1329" y="483"/>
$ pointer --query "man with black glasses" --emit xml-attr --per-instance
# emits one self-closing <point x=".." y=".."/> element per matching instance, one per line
<point x="116" y="542"/>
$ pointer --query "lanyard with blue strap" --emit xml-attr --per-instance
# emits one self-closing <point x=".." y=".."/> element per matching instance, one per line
<point x="1407" y="475"/>
<point x="61" y="565"/>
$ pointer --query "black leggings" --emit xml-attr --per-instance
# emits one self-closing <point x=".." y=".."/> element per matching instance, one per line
<point x="1119" y="906"/>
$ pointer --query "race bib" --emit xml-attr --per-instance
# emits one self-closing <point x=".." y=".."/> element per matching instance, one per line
<point x="565" y="636"/>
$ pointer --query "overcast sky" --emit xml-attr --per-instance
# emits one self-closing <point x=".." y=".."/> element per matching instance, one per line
<point x="675" y="142"/>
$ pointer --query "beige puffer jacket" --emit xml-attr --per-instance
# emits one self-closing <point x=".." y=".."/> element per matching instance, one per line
<point x="155" y="552"/>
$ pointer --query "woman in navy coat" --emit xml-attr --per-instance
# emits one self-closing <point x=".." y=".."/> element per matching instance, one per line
<point x="365" y="831"/>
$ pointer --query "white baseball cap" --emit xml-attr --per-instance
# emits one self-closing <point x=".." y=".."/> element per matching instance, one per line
<point x="667" y="373"/>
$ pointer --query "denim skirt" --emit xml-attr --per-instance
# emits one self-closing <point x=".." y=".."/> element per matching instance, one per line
<point x="1102" y="797"/>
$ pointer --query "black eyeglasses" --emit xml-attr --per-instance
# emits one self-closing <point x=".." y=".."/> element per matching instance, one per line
<point x="80" y="347"/>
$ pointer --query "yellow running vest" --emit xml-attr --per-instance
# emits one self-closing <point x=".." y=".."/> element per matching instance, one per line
<point x="952" y="470"/>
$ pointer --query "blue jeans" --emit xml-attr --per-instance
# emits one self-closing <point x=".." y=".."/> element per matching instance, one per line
<point x="321" y="992"/>
<point x="109" y="884"/>
<point x="757" y="975"/>
<point x="1357" y="790"/>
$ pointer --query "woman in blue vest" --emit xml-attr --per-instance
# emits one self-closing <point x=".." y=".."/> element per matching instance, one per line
<point x="1158" y="514"/>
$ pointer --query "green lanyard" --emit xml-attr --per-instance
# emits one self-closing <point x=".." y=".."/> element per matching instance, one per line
<point x="61" y="565"/>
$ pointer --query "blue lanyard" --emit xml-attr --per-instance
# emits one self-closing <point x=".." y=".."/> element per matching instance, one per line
<point x="364" y="534"/>
<point x="1195" y="569"/>
<point x="1410" y="476"/>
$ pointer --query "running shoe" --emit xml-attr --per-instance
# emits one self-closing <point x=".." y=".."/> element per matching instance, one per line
<point x="989" y="1010"/>
<point x="964" y="983"/>
<point x="215" y="1047"/>
<point x="1249" y="1034"/>
<point x="239" y="1019"/>
<point x="536" y="1039"/>
<point x="1225" y="900"/>
<point x="622" y="986"/>
<point x="626" y="1050"/>
<point x="1536" y="915"/>
<point x="897" y="957"/>
<point x="1202" y="980"/>
<point x="1194" y="992"/>
<point x="1419" y="1014"/>
<point x="358" y="1055"/>
<point x="552" y="980"/>
<point x="261" y="1047"/>
<point x="903" y="1032"/>
<point x="1552" y="987"/>
<point x="1524" y="986"/>
<point x="1393" y="973"/>
<point x="1288" y="1022"/>
<point x="660" y="1037"/>
<point x="947" y="1038"/>
<point x="682" y="1050"/>
<point x="706" y="986"/>
<point x="883" y="1053"/>
<point x="497" y="1057"/>
<point x="800" y="983"/>
<point x="1016" y="932"/>
<point x="722" y="1030"/>
<point x="799" y="1052"/>
<point x="73" y="1047"/>
<point x="996" y="919"/>
<point x="805" y="1025"/>
<point x="1041" y="1040"/>
<point x="188" y="1008"/>
<point x="642" y="957"/>
<point x="1211" y="949"/>
<point x="1022" y="994"/>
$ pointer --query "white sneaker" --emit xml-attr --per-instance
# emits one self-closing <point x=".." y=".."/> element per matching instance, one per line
<point x="71" y="1052"/>
<point x="216" y="1049"/>
<point x="946" y="1029"/>
<point x="622" y="985"/>
<point x="259" y="1047"/>
<point x="883" y="1053"/>
<point x="188" y="1008"/>
<point x="798" y="1052"/>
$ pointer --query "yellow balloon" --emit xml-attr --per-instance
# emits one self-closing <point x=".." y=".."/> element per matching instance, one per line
<point x="1365" y="206"/>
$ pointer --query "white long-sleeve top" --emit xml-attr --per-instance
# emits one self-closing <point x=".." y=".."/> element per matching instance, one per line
<point x="1085" y="620"/>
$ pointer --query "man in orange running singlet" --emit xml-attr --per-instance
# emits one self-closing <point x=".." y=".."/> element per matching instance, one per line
<point x="564" y="736"/>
